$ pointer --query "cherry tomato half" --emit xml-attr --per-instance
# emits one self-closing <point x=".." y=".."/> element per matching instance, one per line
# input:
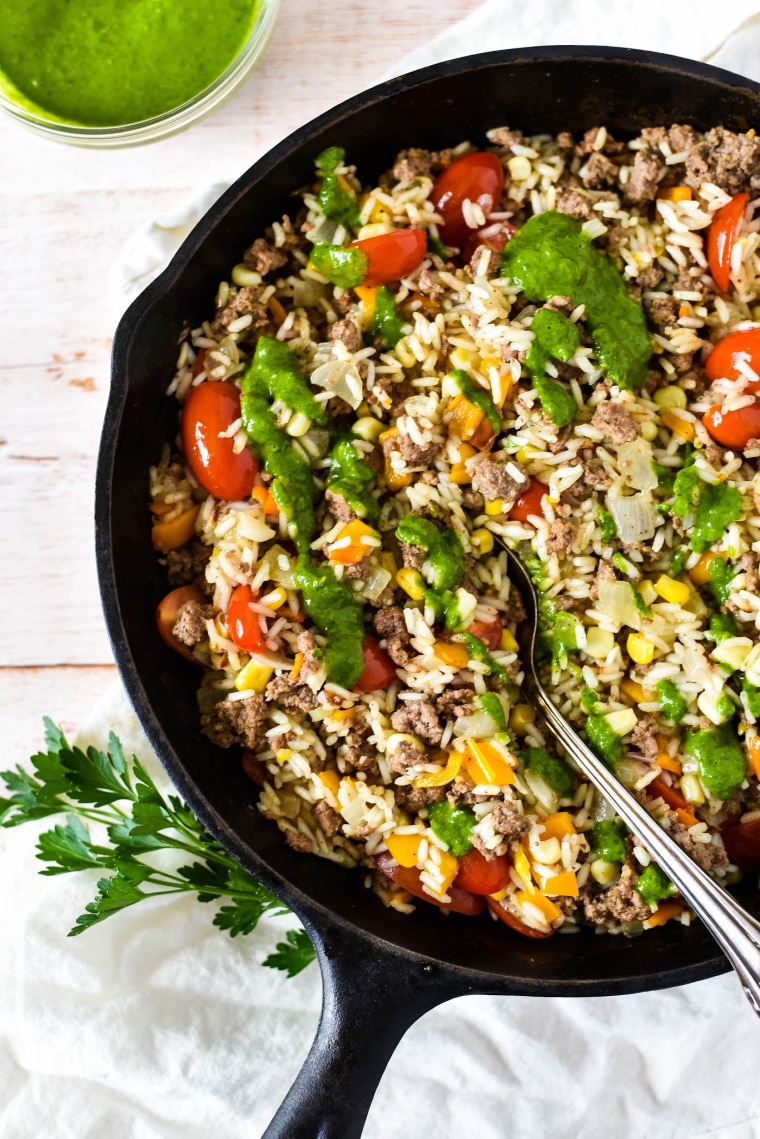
<point x="480" y="875"/>
<point x="489" y="632"/>
<point x="503" y="913"/>
<point x="721" y="237"/>
<point x="733" y="429"/>
<point x="736" y="348"/>
<point x="742" y="843"/>
<point x="168" y="612"/>
<point x="254" y="768"/>
<point x="478" y="177"/>
<point x="462" y="901"/>
<point x="390" y="256"/>
<point x="243" y="624"/>
<point x="659" y="789"/>
<point x="494" y="241"/>
<point x="209" y="409"/>
<point x="379" y="669"/>
<point x="529" y="502"/>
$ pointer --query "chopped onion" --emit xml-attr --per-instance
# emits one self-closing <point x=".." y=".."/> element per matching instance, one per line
<point x="542" y="791"/>
<point x="602" y="809"/>
<point x="635" y="462"/>
<point x="635" y="516"/>
<point x="375" y="582"/>
<point x="324" y="231"/>
<point x="629" y="771"/>
<point x="617" y="602"/>
<point x="279" y="565"/>
<point x="478" y="726"/>
<point x="307" y="293"/>
<point x="340" y="378"/>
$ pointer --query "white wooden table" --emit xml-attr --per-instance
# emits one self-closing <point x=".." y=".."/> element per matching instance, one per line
<point x="64" y="215"/>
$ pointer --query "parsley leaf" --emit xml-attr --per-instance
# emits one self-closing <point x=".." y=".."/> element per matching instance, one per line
<point x="292" y="955"/>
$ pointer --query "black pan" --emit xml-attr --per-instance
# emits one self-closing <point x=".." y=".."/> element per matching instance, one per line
<point x="380" y="970"/>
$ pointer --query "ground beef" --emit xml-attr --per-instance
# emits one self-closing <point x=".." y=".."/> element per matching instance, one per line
<point x="291" y="694"/>
<point x="749" y="563"/>
<point x="560" y="303"/>
<point x="237" y="722"/>
<point x="679" y="137"/>
<point x="644" y="738"/>
<point x="412" y="556"/>
<point x="617" y="903"/>
<point x="473" y="500"/>
<point x="497" y="476"/>
<point x="359" y="754"/>
<point x="414" y="453"/>
<point x="311" y="663"/>
<point x="492" y="265"/>
<point x="575" y="203"/>
<point x="420" y="718"/>
<point x="406" y="755"/>
<point x="455" y="702"/>
<point x="329" y="820"/>
<point x="604" y="573"/>
<point x="728" y="812"/>
<point x="338" y="506"/>
<point x="587" y="145"/>
<point x="561" y="536"/>
<point x="428" y="286"/>
<point x="663" y="311"/>
<point x="398" y="391"/>
<point x="514" y="611"/>
<point x="595" y="475"/>
<point x="644" y="177"/>
<point x="615" y="422"/>
<point x="507" y="819"/>
<point x="290" y="237"/>
<point x="599" y="172"/>
<point x="412" y="798"/>
<point x="727" y="159"/>
<point x="706" y="854"/>
<point x="418" y="163"/>
<point x="300" y="842"/>
<point x="398" y="649"/>
<point x="650" y="277"/>
<point x="190" y="626"/>
<point x="390" y="621"/>
<point x="688" y="282"/>
<point x="187" y="566"/>
<point x="246" y="301"/>
<point x="263" y="257"/>
<point x="346" y="332"/>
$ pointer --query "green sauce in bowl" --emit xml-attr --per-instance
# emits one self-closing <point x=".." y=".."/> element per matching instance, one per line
<point x="100" y="63"/>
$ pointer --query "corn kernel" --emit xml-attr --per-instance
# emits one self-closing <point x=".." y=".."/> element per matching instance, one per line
<point x="671" y="397"/>
<point x="640" y="649"/>
<point x="547" y="851"/>
<point x="604" y="872"/>
<point x="522" y="717"/>
<point x="676" y="592"/>
<point x="622" y="722"/>
<point x="482" y="541"/>
<point x="466" y="358"/>
<point x="253" y="677"/>
<point x="405" y="354"/>
<point x="647" y="592"/>
<point x="692" y="789"/>
<point x="243" y="276"/>
<point x="368" y="428"/>
<point x="388" y="562"/>
<point x="649" y="430"/>
<point x="508" y="642"/>
<point x="524" y="454"/>
<point x="410" y="580"/>
<point x="599" y="642"/>
<point x="298" y="425"/>
<point x="520" y="168"/>
<point x="494" y="508"/>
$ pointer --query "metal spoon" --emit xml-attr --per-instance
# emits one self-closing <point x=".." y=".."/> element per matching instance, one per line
<point x="736" y="931"/>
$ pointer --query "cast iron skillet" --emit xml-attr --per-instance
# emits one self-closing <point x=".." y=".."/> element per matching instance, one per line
<point x="380" y="970"/>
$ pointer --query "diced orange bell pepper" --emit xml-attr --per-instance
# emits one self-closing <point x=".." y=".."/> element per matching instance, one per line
<point x="633" y="690"/>
<point x="446" y="775"/>
<point x="683" y="428"/>
<point x="558" y="825"/>
<point x="276" y="309"/>
<point x="547" y="907"/>
<point x="297" y="662"/>
<point x="484" y="435"/>
<point x="459" y="473"/>
<point x="171" y="535"/>
<point x="330" y="780"/>
<point x="368" y="296"/>
<point x="357" y="547"/>
<point x="753" y="751"/>
<point x="404" y="848"/>
<point x="664" y="912"/>
<point x="450" y="653"/>
<point x="485" y="764"/>
<point x="393" y="480"/>
<point x="674" y="194"/>
<point x="266" y="501"/>
<point x="521" y="864"/>
<point x="700" y="573"/>
<point x="669" y="763"/>
<point x="562" y="885"/>
<point x="686" y="817"/>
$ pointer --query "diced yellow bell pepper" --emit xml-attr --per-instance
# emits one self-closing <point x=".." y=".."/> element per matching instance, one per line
<point x="353" y="543"/>
<point x="521" y="863"/>
<point x="275" y="599"/>
<point x="639" y="648"/>
<point x="676" y="592"/>
<point x="633" y="690"/>
<point x="522" y="717"/>
<point x="404" y="848"/>
<point x="484" y="763"/>
<point x="253" y="677"/>
<point x="410" y="580"/>
<point x="449" y="868"/>
<point x="455" y="655"/>
<point x="700" y="573"/>
<point x="459" y="473"/>
<point x="368" y="298"/>
<point x="500" y="895"/>
<point x="331" y="780"/>
<point x="558" y="825"/>
<point x="393" y="480"/>
<point x="167" y="536"/>
<point x="508" y="643"/>
<point x="446" y="775"/>
<point x="465" y="358"/>
<point x="542" y="903"/>
<point x="684" y="428"/>
<point x="562" y="885"/>
<point x="297" y="662"/>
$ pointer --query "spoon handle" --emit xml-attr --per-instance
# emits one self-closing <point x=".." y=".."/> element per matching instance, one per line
<point x="736" y="931"/>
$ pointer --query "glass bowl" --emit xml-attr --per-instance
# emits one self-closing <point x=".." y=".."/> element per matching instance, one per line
<point x="171" y="122"/>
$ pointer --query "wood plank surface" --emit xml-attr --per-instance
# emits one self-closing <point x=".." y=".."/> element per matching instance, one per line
<point x="64" y="215"/>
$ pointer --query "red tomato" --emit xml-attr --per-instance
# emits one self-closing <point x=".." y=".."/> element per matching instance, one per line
<point x="478" y="176"/>
<point x="379" y="669"/>
<point x="390" y="256"/>
<point x="512" y="920"/>
<point x="733" y="429"/>
<point x="242" y="623"/>
<point x="490" y="634"/>
<point x="659" y="789"/>
<point x="736" y="348"/>
<point x="481" y="876"/>
<point x="462" y="901"/>
<point x="494" y="241"/>
<point x="529" y="502"/>
<point x="168" y="612"/>
<point x="200" y="362"/>
<point x="210" y="409"/>
<point x="742" y="843"/>
<point x="721" y="237"/>
<point x="254" y="768"/>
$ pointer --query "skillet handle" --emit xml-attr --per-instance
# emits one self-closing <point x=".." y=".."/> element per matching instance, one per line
<point x="370" y="996"/>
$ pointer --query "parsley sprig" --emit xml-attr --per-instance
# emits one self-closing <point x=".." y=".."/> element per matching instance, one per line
<point x="119" y="798"/>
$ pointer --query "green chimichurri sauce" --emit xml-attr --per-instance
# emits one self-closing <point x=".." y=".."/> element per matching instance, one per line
<point x="333" y="608"/>
<point x="113" y="62"/>
<point x="493" y="707"/>
<point x="714" y="507"/>
<point x="752" y="697"/>
<point x="477" y="396"/>
<point x="453" y="825"/>
<point x="606" y="743"/>
<point x="444" y="565"/>
<point x="550" y="768"/>
<point x="722" y="626"/>
<point x="343" y="265"/>
<point x="478" y="651"/>
<point x="654" y="885"/>
<point x="720" y="759"/>
<point x="551" y="255"/>
<point x="719" y="578"/>
<point x="672" y="701"/>
<point x="334" y="199"/>
<point x="608" y="840"/>
<point x="387" y="323"/>
<point x="350" y="476"/>
<point x="553" y="336"/>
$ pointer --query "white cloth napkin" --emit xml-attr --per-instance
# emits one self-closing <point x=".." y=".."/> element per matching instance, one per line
<point x="155" y="1025"/>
